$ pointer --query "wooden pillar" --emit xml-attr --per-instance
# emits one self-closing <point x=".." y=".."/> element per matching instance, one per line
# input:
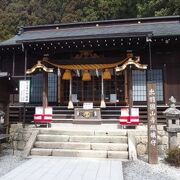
<point x="59" y="86"/>
<point x="103" y="104"/>
<point x="13" y="68"/>
<point x="130" y="89"/>
<point x="25" y="68"/>
<point x="45" y="91"/>
<point x="152" y="123"/>
<point x="70" y="103"/>
<point x="166" y="98"/>
<point x="126" y="86"/>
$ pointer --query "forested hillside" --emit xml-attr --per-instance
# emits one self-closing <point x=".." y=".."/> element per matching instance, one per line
<point x="15" y="13"/>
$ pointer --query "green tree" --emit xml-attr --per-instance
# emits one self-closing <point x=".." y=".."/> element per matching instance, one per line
<point x="15" y="13"/>
<point x="158" y="8"/>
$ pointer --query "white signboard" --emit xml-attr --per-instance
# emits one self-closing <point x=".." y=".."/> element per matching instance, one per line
<point x="113" y="98"/>
<point x="2" y="74"/>
<point x="88" y="105"/>
<point x="24" y="91"/>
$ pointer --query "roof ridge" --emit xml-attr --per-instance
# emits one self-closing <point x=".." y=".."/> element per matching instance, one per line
<point x="97" y="23"/>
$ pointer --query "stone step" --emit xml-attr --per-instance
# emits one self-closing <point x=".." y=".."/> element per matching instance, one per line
<point x="66" y="132"/>
<point x="84" y="132"/>
<point x="62" y="145"/>
<point x="52" y="138"/>
<point x="99" y="139"/>
<point x="79" y="153"/>
<point x="118" y="154"/>
<point x="109" y="146"/>
<point x="83" y="139"/>
<point x="81" y="146"/>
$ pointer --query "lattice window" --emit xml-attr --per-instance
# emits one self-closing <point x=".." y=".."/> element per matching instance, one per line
<point x="109" y="88"/>
<point x="139" y="85"/>
<point x="140" y="79"/>
<point x="156" y="75"/>
<point x="77" y="87"/>
<point x="52" y="87"/>
<point x="37" y="88"/>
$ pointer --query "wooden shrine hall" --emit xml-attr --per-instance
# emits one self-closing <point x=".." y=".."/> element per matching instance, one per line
<point x="104" y="64"/>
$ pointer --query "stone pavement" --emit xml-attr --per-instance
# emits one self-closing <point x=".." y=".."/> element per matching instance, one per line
<point x="62" y="168"/>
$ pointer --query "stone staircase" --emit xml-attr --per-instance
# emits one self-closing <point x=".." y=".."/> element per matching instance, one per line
<point x="81" y="143"/>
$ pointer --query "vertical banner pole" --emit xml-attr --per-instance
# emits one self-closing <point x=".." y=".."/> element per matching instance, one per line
<point x="152" y="123"/>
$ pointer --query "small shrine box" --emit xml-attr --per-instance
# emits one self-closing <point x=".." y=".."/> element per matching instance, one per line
<point x="129" y="120"/>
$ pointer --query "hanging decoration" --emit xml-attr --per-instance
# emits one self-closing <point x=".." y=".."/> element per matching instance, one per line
<point x="130" y="61"/>
<point x="102" y="104"/>
<point x="106" y="74"/>
<point x="67" y="75"/>
<point x="97" y="73"/>
<point x="38" y="67"/>
<point x="87" y="66"/>
<point x="59" y="72"/>
<point x="86" y="76"/>
<point x="78" y="73"/>
<point x="70" y="103"/>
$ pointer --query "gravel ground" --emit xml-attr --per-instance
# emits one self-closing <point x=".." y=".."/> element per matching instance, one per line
<point x="8" y="161"/>
<point x="141" y="170"/>
<point x="133" y="170"/>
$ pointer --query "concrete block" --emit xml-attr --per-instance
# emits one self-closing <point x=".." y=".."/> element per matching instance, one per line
<point x="41" y="152"/>
<point x="99" y="139"/>
<point x="66" y="132"/>
<point x="53" y="138"/>
<point x="111" y="133"/>
<point x="109" y="146"/>
<point x="62" y="145"/>
<point x="30" y="143"/>
<point x="118" y="154"/>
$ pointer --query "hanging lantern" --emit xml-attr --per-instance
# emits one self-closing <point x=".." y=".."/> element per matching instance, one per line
<point x="106" y="74"/>
<point x="67" y="75"/>
<point x="86" y="76"/>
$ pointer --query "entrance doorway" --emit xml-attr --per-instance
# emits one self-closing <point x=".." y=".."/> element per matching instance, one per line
<point x="114" y="90"/>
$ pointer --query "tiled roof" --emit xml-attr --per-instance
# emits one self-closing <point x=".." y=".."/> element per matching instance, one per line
<point x="134" y="27"/>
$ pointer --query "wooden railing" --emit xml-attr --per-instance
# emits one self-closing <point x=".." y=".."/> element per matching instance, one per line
<point x="109" y="113"/>
<point x="16" y="114"/>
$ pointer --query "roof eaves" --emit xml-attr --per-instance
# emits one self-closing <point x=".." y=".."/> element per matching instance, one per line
<point x="97" y="36"/>
<point x="10" y="42"/>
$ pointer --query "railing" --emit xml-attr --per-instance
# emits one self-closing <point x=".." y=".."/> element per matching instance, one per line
<point x="16" y="114"/>
<point x="110" y="113"/>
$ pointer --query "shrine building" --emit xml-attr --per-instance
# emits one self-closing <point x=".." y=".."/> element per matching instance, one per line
<point x="103" y="64"/>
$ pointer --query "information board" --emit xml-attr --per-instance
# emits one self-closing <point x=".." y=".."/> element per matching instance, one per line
<point x="24" y="91"/>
